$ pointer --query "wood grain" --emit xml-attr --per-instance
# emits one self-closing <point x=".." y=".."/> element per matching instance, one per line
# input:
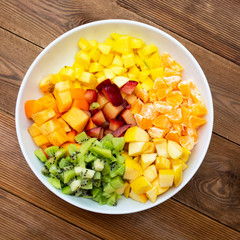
<point x="225" y="92"/>
<point x="198" y="21"/>
<point x="212" y="186"/>
<point x="22" y="220"/>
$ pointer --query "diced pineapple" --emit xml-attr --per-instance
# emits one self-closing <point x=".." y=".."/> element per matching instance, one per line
<point x="41" y="140"/>
<point x="134" y="70"/>
<point x="152" y="194"/>
<point x="86" y="77"/>
<point x="76" y="84"/>
<point x="34" y="130"/>
<point x="104" y="48"/>
<point x="109" y="73"/>
<point x="140" y="198"/>
<point x="67" y="73"/>
<point x="161" y="147"/>
<point x="132" y="169"/>
<point x="64" y="101"/>
<point x="156" y="73"/>
<point x="151" y="48"/>
<point x="58" y="137"/>
<point x="95" y="67"/>
<point x="106" y="60"/>
<point x="118" y="70"/>
<point x="177" y="168"/>
<point x="84" y="44"/>
<point x="120" y="81"/>
<point x="138" y="61"/>
<point x="136" y="148"/>
<point x="93" y="43"/>
<point x="166" y="177"/>
<point x="147" y="83"/>
<point x="136" y="43"/>
<point x="62" y="86"/>
<point x="95" y="54"/>
<point x="162" y="163"/>
<point x="109" y="41"/>
<point x="49" y="127"/>
<point x="128" y="60"/>
<point x="117" y="61"/>
<point x="135" y="134"/>
<point x="140" y="185"/>
<point x="115" y="35"/>
<point x="43" y="116"/>
<point x="150" y="173"/>
<point x="46" y="84"/>
<point x="143" y="75"/>
<point x="156" y="60"/>
<point x="83" y="58"/>
<point x="160" y="190"/>
<point x="122" y="44"/>
<point x="174" y="150"/>
<point x="76" y="118"/>
<point x="147" y="159"/>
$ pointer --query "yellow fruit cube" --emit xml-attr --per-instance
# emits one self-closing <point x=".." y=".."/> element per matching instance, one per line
<point x="64" y="125"/>
<point x="156" y="60"/>
<point x="151" y="48"/>
<point x="149" y="147"/>
<point x="104" y="48"/>
<point x="58" y="137"/>
<point x="121" y="190"/>
<point x="166" y="177"/>
<point x="128" y="60"/>
<point x="47" y="84"/>
<point x="49" y="127"/>
<point x="77" y="84"/>
<point x="76" y="118"/>
<point x="125" y="154"/>
<point x="117" y="61"/>
<point x="84" y="44"/>
<point x="62" y="86"/>
<point x="118" y="70"/>
<point x="177" y="174"/>
<point x="122" y="45"/>
<point x="138" y="61"/>
<point x="136" y="134"/>
<point x="83" y="58"/>
<point x="160" y="190"/>
<point x="152" y="194"/>
<point x="127" y="191"/>
<point x="64" y="101"/>
<point x="143" y="75"/>
<point x="134" y="70"/>
<point x="185" y="155"/>
<point x="147" y="159"/>
<point x="109" y="73"/>
<point x="132" y="169"/>
<point x="140" y="198"/>
<point x="178" y="161"/>
<point x="175" y="151"/>
<point x="106" y="60"/>
<point x="147" y="83"/>
<point x="136" y="148"/>
<point x="161" y="147"/>
<point x="132" y="77"/>
<point x="162" y="163"/>
<point x="136" y="43"/>
<point x="67" y="73"/>
<point x="41" y="140"/>
<point x="115" y="35"/>
<point x="95" y="67"/>
<point x="140" y="185"/>
<point x="86" y="77"/>
<point x="157" y="73"/>
<point x="34" y="130"/>
<point x="95" y="54"/>
<point x="150" y="173"/>
<point x="149" y="63"/>
<point x="120" y="81"/>
<point x="109" y="41"/>
<point x="93" y="43"/>
<point x="43" y="116"/>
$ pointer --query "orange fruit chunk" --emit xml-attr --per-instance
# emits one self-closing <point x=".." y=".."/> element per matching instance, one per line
<point x="162" y="122"/>
<point x="187" y="142"/>
<point x="168" y="72"/>
<point x="159" y="83"/>
<point x="175" y="115"/>
<point x="162" y="107"/>
<point x="172" y="81"/>
<point x="161" y="93"/>
<point x="142" y="94"/>
<point x="198" y="109"/>
<point x="136" y="106"/>
<point x="173" y="135"/>
<point x="157" y="132"/>
<point x="195" y="122"/>
<point x="184" y="87"/>
<point x="152" y="95"/>
<point x="192" y="132"/>
<point x="148" y="111"/>
<point x="174" y="98"/>
<point x="177" y="127"/>
<point x="142" y="122"/>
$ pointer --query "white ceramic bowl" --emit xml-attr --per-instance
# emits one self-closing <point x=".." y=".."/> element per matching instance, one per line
<point x="61" y="52"/>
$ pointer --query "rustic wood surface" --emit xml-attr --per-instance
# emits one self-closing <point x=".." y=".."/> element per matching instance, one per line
<point x="208" y="207"/>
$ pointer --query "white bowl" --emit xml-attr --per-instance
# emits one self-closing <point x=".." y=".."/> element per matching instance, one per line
<point x="61" y="52"/>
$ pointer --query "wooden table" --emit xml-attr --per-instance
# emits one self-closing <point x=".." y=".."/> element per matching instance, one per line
<point x="209" y="206"/>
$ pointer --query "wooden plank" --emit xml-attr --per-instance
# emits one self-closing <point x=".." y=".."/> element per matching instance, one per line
<point x="22" y="220"/>
<point x="213" y="25"/>
<point x="30" y="188"/>
<point x="217" y="69"/>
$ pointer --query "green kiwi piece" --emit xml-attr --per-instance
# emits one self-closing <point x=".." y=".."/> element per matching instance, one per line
<point x="106" y="169"/>
<point x="98" y="165"/>
<point x="85" y="147"/>
<point x="64" y="163"/>
<point x="96" y="193"/>
<point x="90" y="157"/>
<point x="81" y="160"/>
<point x="86" y="184"/>
<point x="97" y="175"/>
<point x="67" y="190"/>
<point x="81" y="137"/>
<point x="55" y="182"/>
<point x="103" y="152"/>
<point x="68" y="175"/>
<point x="40" y="155"/>
<point x="50" y="151"/>
<point x="117" y="170"/>
<point x="61" y="152"/>
<point x="97" y="182"/>
<point x="102" y="200"/>
<point x="117" y="182"/>
<point x="108" y="188"/>
<point x="112" y="201"/>
<point x="118" y="143"/>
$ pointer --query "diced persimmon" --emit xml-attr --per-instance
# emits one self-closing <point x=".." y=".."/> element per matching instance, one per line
<point x="31" y="107"/>
<point x="34" y="130"/>
<point x="81" y="104"/>
<point x="90" y="124"/>
<point x="58" y="137"/>
<point x="64" y="101"/>
<point x="41" y="140"/>
<point x="162" y="122"/>
<point x="64" y="125"/>
<point x="136" y="106"/>
<point x="77" y="93"/>
<point x="71" y="136"/>
<point x="56" y="110"/>
<point x="142" y="122"/>
<point x="49" y="126"/>
<point x="47" y="101"/>
<point x="76" y="118"/>
<point x="43" y="116"/>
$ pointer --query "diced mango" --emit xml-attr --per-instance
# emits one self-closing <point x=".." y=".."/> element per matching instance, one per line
<point x="122" y="45"/>
<point x="147" y="159"/>
<point x="83" y="58"/>
<point x="95" y="67"/>
<point x="49" y="127"/>
<point x="109" y="41"/>
<point x="64" y="101"/>
<point x="136" y="43"/>
<point x="62" y="86"/>
<point x="67" y="73"/>
<point x="84" y="44"/>
<point x="117" y="61"/>
<point x="118" y="70"/>
<point x="177" y="174"/>
<point x="140" y="198"/>
<point x="136" y="134"/>
<point x="149" y="148"/>
<point x="128" y="60"/>
<point x="43" y="116"/>
<point x="104" y="48"/>
<point x="152" y="194"/>
<point x="166" y="177"/>
<point x="132" y="169"/>
<point x="185" y="155"/>
<point x="127" y="191"/>
<point x="147" y="84"/>
<point x="95" y="54"/>
<point x="160" y="190"/>
<point x="162" y="163"/>
<point x="151" y="48"/>
<point x="150" y="173"/>
<point x="109" y="73"/>
<point x="156" y="73"/>
<point x="106" y="60"/>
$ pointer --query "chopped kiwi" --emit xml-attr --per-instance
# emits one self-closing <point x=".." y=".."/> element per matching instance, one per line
<point x="118" y="143"/>
<point x="64" y="163"/>
<point x="90" y="157"/>
<point x="102" y="152"/>
<point x="68" y="175"/>
<point x="50" y="151"/>
<point x="112" y="200"/>
<point x="94" y="105"/>
<point x="97" y="182"/>
<point x="117" y="182"/>
<point x="55" y="182"/>
<point x="40" y="155"/>
<point x="81" y="137"/>
<point x="108" y="188"/>
<point x="98" y="165"/>
<point x="81" y="160"/>
<point x="97" y="175"/>
<point x="61" y="152"/>
<point x="67" y="190"/>
<point x="86" y="184"/>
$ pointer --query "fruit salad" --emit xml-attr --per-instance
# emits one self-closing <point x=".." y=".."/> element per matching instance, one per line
<point x="121" y="121"/>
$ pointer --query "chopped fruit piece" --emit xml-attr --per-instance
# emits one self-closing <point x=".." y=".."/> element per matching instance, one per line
<point x="151" y="48"/>
<point x="129" y="87"/>
<point x="43" y="116"/>
<point x="99" y="118"/>
<point x="127" y="191"/>
<point x="152" y="194"/>
<point x="77" y="93"/>
<point x="119" y="132"/>
<point x="150" y="173"/>
<point x="140" y="185"/>
<point x="174" y="98"/>
<point x="46" y="85"/>
<point x="162" y="163"/>
<point x="128" y="60"/>
<point x="149" y="148"/>
<point x="162" y="122"/>
<point x="147" y="159"/>
<point x="111" y="112"/>
<point x="90" y="124"/>
<point x="41" y="140"/>
<point x="120" y="81"/>
<point x="136" y="148"/>
<point x="90" y="96"/>
<point x="161" y="147"/>
<point x="34" y="130"/>
<point x="107" y="131"/>
<point x="103" y="84"/>
<point x="187" y="142"/>
<point x="71" y="136"/>
<point x="64" y="125"/>
<point x="102" y="100"/>
<point x="162" y="107"/>
<point x="133" y="169"/>
<point x="177" y="174"/>
<point x="128" y="117"/>
<point x="142" y="122"/>
<point x="166" y="177"/>
<point x="81" y="104"/>
<point x="115" y="124"/>
<point x="121" y="190"/>
<point x="49" y="127"/>
<point x="172" y="81"/>
<point x="184" y="87"/>
<point x="58" y="137"/>
<point x="157" y="132"/>
<point x="94" y="132"/>
<point x="131" y="98"/>
<point x="64" y="101"/>
<point x="112" y="92"/>
<point x="195" y="122"/>
<point x="160" y="190"/>
<point x="148" y="111"/>
<point x="62" y="86"/>
<point x="140" y="198"/>
<point x="173" y="135"/>
<point x="136" y="134"/>
<point x="136" y="106"/>
<point x="174" y="149"/>
<point x="31" y="108"/>
<point x="185" y="155"/>
<point x="76" y="118"/>
<point x="175" y="115"/>
<point x="142" y="94"/>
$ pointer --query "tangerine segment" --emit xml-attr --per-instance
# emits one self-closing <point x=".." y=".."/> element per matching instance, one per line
<point x="142" y="94"/>
<point x="172" y="81"/>
<point x="187" y="142"/>
<point x="174" y="98"/>
<point x="143" y="122"/>
<point x="198" y="110"/>
<point x="195" y="122"/>
<point x="186" y="112"/>
<point x="157" y="132"/>
<point x="159" y="83"/>
<point x="152" y="95"/>
<point x="192" y="132"/>
<point x="166" y="59"/>
<point x="162" y="122"/>
<point x="148" y="111"/>
<point x="162" y="93"/>
<point x="173" y="135"/>
<point x="168" y="72"/>
<point x="184" y="87"/>
<point x="178" y="127"/>
<point x="162" y="107"/>
<point x="136" y="107"/>
<point x="176" y="66"/>
<point x="175" y="115"/>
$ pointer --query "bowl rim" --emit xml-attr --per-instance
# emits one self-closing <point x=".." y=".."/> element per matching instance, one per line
<point x="96" y="23"/>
